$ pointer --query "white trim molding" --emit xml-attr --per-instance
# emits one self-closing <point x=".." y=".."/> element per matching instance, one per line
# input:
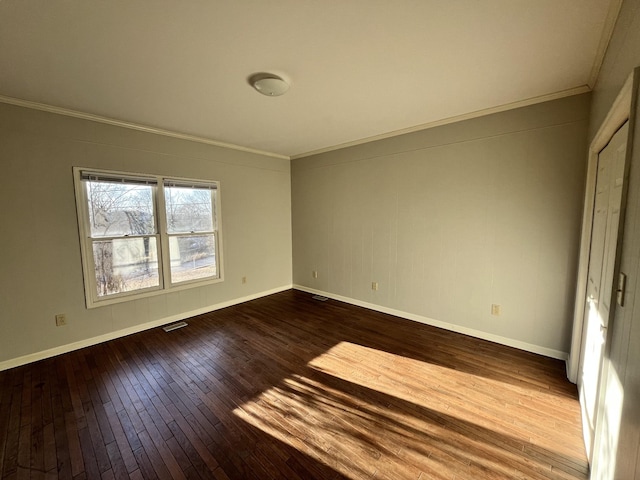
<point x="605" y="39"/>
<point x="133" y="126"/>
<point x="458" y="118"/>
<point x="52" y="352"/>
<point x="183" y="136"/>
<point x="509" y="342"/>
<point x="617" y="116"/>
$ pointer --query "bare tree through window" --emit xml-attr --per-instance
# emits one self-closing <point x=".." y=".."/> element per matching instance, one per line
<point x="145" y="232"/>
<point x="122" y="214"/>
<point x="190" y="225"/>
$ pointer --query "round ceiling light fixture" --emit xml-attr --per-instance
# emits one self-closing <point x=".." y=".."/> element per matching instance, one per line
<point x="268" y="84"/>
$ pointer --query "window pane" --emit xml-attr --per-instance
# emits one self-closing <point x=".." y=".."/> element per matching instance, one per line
<point x="188" y="209"/>
<point x="120" y="209"/>
<point x="192" y="257"/>
<point x="125" y="264"/>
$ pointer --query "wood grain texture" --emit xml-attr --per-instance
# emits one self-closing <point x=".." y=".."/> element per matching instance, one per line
<point x="289" y="387"/>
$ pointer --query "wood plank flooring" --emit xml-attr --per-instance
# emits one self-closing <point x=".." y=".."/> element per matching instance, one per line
<point x="290" y="387"/>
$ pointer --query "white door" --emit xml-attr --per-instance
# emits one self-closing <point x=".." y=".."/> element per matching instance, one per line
<point x="604" y="238"/>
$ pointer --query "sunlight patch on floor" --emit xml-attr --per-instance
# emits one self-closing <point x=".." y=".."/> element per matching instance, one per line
<point x="362" y="418"/>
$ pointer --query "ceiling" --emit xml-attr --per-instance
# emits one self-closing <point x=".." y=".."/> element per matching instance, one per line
<point x="358" y="69"/>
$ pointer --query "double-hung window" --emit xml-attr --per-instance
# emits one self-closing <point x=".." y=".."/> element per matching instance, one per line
<point x="144" y="234"/>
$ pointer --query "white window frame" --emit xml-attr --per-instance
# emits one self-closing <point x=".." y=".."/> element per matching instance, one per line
<point x="162" y="236"/>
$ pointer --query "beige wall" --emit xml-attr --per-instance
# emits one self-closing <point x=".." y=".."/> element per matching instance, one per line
<point x="451" y="220"/>
<point x="41" y="273"/>
<point x="619" y="427"/>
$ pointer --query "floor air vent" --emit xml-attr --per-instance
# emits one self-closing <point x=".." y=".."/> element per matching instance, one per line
<point x="174" y="326"/>
<point x="320" y="297"/>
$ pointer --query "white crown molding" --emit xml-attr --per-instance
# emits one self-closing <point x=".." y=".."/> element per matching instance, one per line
<point x="133" y="126"/>
<point x="605" y="38"/>
<point x="509" y="342"/>
<point x="382" y="136"/>
<point x="52" y="352"/>
<point x="446" y="121"/>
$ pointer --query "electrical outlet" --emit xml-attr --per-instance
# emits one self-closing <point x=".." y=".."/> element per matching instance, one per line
<point x="374" y="285"/>
<point x="496" y="310"/>
<point x="61" y="319"/>
<point x="314" y="274"/>
<point x="244" y="280"/>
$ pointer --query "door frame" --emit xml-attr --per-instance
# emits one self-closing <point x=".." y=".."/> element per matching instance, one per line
<point x="619" y="113"/>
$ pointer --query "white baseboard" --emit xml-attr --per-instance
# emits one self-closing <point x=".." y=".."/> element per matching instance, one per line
<point x="510" y="342"/>
<point x="52" y="352"/>
<point x="571" y="375"/>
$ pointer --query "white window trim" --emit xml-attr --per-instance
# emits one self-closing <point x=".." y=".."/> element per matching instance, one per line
<point x="165" y="286"/>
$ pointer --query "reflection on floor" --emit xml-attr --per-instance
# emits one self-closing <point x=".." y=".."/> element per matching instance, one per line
<point x="289" y="387"/>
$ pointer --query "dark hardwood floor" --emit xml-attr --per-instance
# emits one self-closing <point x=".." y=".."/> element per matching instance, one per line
<point x="290" y="387"/>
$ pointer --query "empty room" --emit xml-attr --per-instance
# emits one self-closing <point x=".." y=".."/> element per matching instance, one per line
<point x="320" y="240"/>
